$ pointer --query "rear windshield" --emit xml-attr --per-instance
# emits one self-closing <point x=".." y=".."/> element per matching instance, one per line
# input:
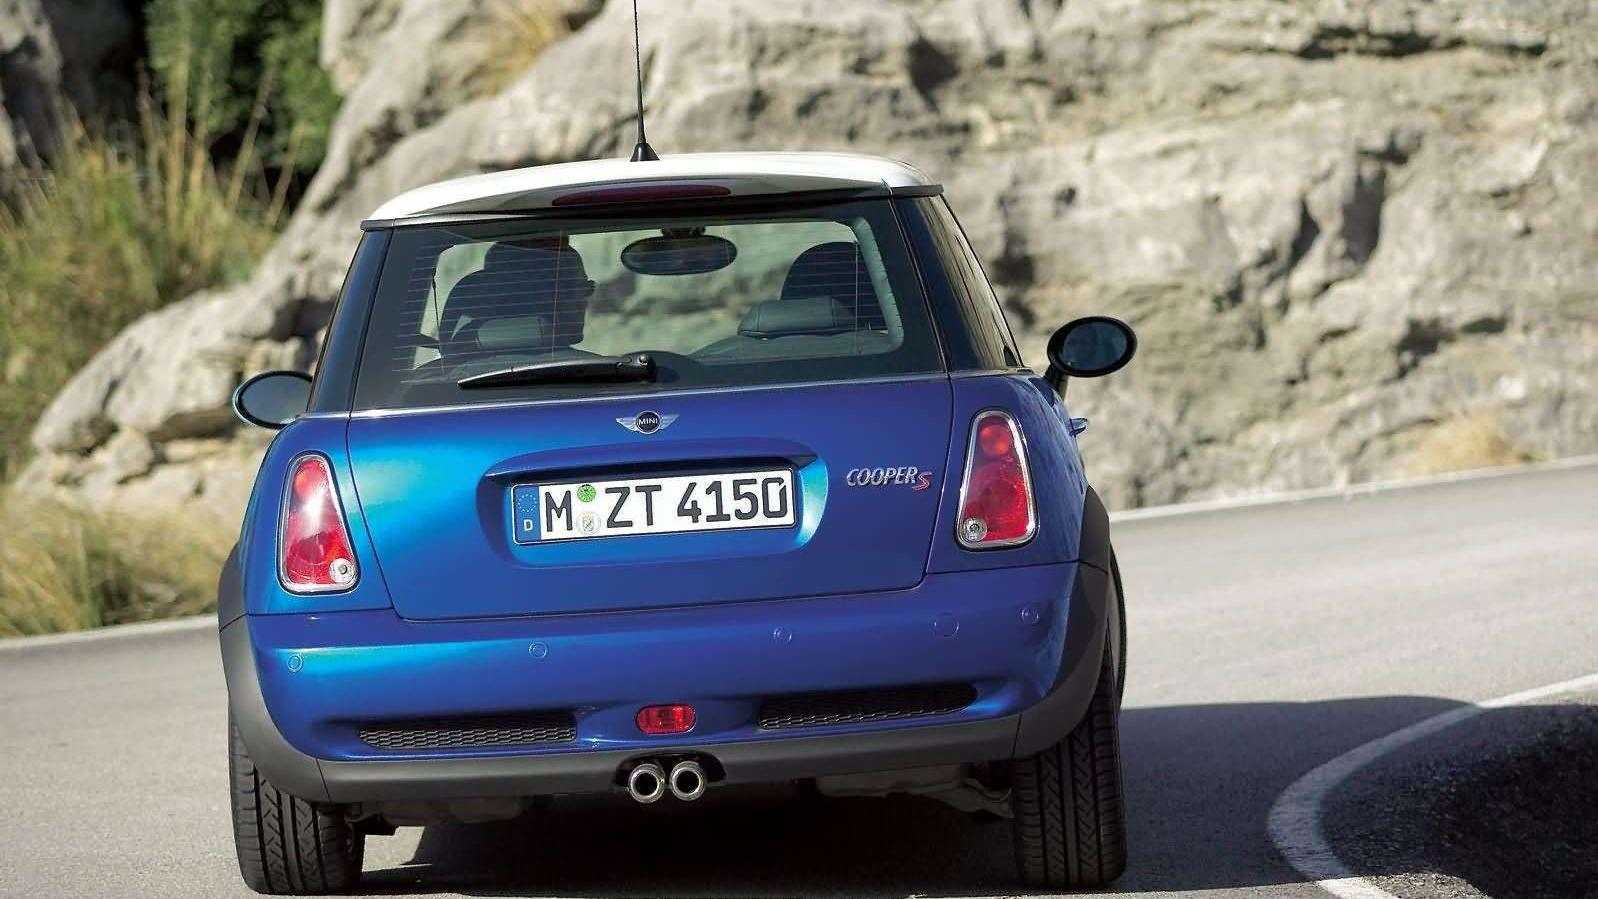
<point x="791" y="295"/>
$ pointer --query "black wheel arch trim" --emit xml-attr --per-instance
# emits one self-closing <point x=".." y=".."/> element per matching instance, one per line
<point x="1087" y="624"/>
<point x="230" y="590"/>
<point x="285" y="767"/>
<point x="1093" y="547"/>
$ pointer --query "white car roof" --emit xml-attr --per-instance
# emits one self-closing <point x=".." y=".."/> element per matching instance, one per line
<point x="742" y="174"/>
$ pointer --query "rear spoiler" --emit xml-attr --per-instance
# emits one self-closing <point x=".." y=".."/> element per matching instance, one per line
<point x="695" y="195"/>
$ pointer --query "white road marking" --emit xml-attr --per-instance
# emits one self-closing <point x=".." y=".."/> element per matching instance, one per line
<point x="1350" y="490"/>
<point x="1295" y="818"/>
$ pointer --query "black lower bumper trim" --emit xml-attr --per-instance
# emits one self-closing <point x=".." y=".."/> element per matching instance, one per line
<point x="754" y="761"/>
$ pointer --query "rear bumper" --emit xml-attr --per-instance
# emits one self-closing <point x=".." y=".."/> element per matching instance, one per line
<point x="1029" y="639"/>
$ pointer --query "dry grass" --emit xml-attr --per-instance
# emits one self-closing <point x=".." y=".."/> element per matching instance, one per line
<point x="1469" y="441"/>
<point x="64" y="568"/>
<point x="519" y="32"/>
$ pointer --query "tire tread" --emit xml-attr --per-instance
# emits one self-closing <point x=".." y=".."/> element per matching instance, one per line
<point x="287" y="845"/>
<point x="1070" y="818"/>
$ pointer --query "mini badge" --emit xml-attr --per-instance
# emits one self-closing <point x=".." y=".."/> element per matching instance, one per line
<point x="588" y="524"/>
<point x="586" y="493"/>
<point x="646" y="422"/>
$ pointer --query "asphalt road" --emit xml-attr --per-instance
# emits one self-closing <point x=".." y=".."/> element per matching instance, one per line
<point x="1264" y="641"/>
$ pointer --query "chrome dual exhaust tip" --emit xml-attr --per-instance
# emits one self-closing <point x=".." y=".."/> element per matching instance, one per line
<point x="687" y="780"/>
<point x="647" y="783"/>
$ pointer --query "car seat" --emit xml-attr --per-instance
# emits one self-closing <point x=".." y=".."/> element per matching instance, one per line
<point x="838" y="271"/>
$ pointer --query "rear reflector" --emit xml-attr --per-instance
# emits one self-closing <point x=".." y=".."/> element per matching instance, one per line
<point x="314" y="542"/>
<point x="657" y="720"/>
<point x="641" y="193"/>
<point x="996" y="507"/>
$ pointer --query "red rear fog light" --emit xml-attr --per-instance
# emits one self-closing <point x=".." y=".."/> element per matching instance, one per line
<point x="656" y="720"/>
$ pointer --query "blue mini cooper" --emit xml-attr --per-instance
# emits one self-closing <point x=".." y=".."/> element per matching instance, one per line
<point x="653" y="477"/>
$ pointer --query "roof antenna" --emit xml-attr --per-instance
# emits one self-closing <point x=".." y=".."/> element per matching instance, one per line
<point x="643" y="152"/>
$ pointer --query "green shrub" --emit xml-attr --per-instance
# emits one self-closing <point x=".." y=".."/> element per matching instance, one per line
<point x="300" y="119"/>
<point x="64" y="568"/>
<point x="115" y="230"/>
<point x="247" y="73"/>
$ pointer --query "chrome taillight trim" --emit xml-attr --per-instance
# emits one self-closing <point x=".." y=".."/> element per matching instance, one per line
<point x="344" y="522"/>
<point x="1026" y="479"/>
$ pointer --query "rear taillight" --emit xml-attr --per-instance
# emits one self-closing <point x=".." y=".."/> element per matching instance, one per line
<point x="996" y="495"/>
<point x="316" y="556"/>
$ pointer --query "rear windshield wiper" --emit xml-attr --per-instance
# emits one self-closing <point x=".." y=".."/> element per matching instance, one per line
<point x="585" y="370"/>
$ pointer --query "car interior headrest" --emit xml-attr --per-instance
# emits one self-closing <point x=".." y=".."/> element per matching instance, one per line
<point x="519" y="332"/>
<point x="527" y="253"/>
<point x="811" y="315"/>
<point x="523" y="279"/>
<point x="835" y="269"/>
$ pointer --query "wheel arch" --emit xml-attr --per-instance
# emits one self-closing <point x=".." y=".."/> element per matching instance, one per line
<point x="1092" y="612"/>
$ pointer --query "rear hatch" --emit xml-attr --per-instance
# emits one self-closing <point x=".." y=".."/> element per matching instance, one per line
<point x="456" y="538"/>
<point x="437" y="491"/>
<point x="646" y="405"/>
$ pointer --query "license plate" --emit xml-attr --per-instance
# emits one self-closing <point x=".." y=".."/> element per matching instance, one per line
<point x="584" y="510"/>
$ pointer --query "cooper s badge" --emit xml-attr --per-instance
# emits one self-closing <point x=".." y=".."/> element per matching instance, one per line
<point x="883" y="477"/>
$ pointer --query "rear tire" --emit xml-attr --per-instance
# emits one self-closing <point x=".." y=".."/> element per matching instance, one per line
<point x="287" y="845"/>
<point x="1070" y="821"/>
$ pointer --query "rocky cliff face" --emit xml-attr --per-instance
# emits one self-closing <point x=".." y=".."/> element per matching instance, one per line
<point x="1339" y="225"/>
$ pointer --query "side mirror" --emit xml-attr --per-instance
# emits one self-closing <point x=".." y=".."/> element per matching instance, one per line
<point x="1090" y="347"/>
<point x="273" y="399"/>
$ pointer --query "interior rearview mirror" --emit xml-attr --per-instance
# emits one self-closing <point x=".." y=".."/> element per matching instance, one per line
<point x="273" y="399"/>
<point x="1091" y="347"/>
<point x="679" y="254"/>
